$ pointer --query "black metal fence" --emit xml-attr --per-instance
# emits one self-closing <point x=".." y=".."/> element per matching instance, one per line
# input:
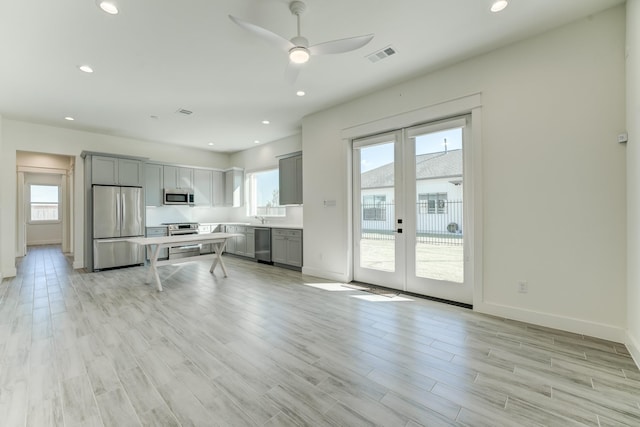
<point x="436" y="224"/>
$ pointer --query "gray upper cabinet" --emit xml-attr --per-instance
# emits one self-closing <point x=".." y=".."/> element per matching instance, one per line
<point x="202" y="186"/>
<point x="116" y="171"/>
<point x="178" y="177"/>
<point x="290" y="174"/>
<point x="217" y="188"/>
<point x="153" y="184"/>
<point x="233" y="186"/>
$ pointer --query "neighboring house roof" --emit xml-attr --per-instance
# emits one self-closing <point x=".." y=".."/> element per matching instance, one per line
<point x="444" y="164"/>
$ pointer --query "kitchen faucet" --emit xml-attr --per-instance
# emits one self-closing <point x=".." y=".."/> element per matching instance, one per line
<point x="261" y="218"/>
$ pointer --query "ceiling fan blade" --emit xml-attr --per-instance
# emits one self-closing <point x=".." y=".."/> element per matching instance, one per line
<point x="340" y="46"/>
<point x="291" y="72"/>
<point x="273" y="38"/>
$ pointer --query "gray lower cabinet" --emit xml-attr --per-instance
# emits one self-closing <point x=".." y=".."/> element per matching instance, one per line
<point x="244" y="243"/>
<point x="250" y="249"/>
<point x="203" y="229"/>
<point x="286" y="246"/>
<point x="157" y="232"/>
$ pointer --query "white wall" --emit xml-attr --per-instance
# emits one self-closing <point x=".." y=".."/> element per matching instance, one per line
<point x="19" y="135"/>
<point x="633" y="178"/>
<point x="4" y="211"/>
<point x="553" y="174"/>
<point x="262" y="157"/>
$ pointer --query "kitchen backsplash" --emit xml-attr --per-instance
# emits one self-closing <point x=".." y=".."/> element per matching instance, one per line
<point x="158" y="215"/>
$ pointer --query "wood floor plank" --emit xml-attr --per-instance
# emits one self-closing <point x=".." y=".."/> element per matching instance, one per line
<point x="270" y="347"/>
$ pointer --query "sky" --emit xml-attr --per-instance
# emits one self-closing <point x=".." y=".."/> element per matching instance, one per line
<point x="267" y="182"/>
<point x="378" y="155"/>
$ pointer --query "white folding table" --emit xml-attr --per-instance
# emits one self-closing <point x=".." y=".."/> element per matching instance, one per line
<point x="218" y="240"/>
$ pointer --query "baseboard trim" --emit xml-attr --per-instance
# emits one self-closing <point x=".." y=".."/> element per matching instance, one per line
<point x="578" y="326"/>
<point x="634" y="348"/>
<point x="10" y="272"/>
<point x="44" y="242"/>
<point x="324" y="274"/>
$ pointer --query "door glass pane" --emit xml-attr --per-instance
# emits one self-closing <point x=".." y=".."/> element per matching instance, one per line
<point x="377" y="216"/>
<point x="439" y="209"/>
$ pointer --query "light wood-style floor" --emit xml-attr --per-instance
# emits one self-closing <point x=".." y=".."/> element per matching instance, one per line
<point x="265" y="348"/>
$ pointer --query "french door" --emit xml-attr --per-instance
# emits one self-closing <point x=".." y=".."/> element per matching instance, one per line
<point x="409" y="216"/>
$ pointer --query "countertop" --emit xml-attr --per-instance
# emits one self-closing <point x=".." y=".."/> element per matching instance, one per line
<point x="249" y="224"/>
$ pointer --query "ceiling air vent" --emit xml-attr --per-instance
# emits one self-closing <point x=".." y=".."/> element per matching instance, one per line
<point x="184" y="111"/>
<point x="381" y="54"/>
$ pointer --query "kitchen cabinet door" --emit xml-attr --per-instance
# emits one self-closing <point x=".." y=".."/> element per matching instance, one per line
<point x="278" y="248"/>
<point x="241" y="241"/>
<point x="130" y="172"/>
<point x="202" y="182"/>
<point x="178" y="177"/>
<point x="104" y="170"/>
<point x="233" y="187"/>
<point x="294" y="251"/>
<point x="170" y="177"/>
<point x="286" y="247"/>
<point x="185" y="178"/>
<point x="116" y="171"/>
<point x="290" y="180"/>
<point x="231" y="243"/>
<point x="157" y="232"/>
<point x="217" y="188"/>
<point x="153" y="181"/>
<point x="250" y="242"/>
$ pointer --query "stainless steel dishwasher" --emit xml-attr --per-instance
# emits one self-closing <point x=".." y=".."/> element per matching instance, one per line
<point x="263" y="244"/>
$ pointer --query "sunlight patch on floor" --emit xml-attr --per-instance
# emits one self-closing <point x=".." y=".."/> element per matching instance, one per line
<point x="332" y="287"/>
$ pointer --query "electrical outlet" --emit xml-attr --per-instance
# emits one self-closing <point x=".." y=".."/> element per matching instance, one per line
<point x="523" y="287"/>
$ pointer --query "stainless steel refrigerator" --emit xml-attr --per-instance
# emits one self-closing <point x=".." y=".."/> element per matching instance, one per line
<point x="118" y="212"/>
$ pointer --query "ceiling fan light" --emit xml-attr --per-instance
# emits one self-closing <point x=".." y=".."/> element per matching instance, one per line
<point x="299" y="55"/>
<point x="110" y="7"/>
<point x="499" y="5"/>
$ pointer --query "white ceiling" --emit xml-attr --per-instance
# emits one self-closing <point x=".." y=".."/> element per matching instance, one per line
<point x="158" y="56"/>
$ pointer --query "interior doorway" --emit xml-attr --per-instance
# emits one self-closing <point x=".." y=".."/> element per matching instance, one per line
<point x="45" y="200"/>
<point x="409" y="210"/>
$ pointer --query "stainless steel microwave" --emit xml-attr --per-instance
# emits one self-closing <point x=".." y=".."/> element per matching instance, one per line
<point x="178" y="196"/>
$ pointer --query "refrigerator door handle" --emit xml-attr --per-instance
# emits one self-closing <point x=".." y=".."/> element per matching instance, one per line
<point x="119" y="212"/>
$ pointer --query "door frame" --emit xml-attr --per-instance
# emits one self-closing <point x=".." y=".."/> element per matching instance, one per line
<point x="466" y="105"/>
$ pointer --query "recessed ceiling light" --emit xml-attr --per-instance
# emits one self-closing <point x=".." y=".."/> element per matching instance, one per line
<point x="265" y="122"/>
<point x="109" y="6"/>
<point x="499" y="5"/>
<point x="256" y="142"/>
<point x="300" y="93"/>
<point x="85" y="68"/>
<point x="210" y="144"/>
<point x="69" y="118"/>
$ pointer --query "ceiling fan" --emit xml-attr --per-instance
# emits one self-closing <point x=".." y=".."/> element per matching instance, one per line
<point x="298" y="48"/>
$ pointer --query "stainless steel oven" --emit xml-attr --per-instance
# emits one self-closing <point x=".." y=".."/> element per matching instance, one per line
<point x="180" y="229"/>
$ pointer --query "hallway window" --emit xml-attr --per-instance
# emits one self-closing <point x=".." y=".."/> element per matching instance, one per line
<point x="44" y="203"/>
